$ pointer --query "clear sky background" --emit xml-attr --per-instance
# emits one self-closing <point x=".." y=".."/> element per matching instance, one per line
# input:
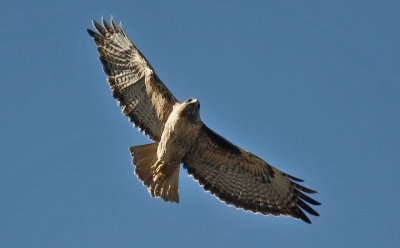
<point x="312" y="87"/>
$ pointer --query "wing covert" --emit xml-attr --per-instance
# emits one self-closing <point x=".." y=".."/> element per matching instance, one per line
<point x="140" y="93"/>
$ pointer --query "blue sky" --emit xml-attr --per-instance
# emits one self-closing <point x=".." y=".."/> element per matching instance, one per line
<point x="312" y="87"/>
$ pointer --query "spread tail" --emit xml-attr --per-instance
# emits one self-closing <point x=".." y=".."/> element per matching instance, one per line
<point x="144" y="157"/>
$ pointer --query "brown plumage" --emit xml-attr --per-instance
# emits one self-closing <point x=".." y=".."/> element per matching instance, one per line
<point x="232" y="174"/>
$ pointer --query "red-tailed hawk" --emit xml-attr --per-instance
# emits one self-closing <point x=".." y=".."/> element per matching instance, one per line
<point x="232" y="174"/>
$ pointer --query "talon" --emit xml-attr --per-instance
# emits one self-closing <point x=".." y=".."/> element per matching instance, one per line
<point x="158" y="177"/>
<point x="157" y="167"/>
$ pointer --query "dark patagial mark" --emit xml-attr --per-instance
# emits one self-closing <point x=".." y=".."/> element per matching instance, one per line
<point x="221" y="142"/>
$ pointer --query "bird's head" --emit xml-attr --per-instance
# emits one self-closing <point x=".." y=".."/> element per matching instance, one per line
<point x="191" y="109"/>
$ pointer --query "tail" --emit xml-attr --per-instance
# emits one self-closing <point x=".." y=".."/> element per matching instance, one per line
<point x="144" y="157"/>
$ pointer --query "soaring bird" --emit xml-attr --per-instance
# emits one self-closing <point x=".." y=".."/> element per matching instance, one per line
<point x="227" y="171"/>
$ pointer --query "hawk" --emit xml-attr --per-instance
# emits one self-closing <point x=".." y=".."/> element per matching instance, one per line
<point x="230" y="173"/>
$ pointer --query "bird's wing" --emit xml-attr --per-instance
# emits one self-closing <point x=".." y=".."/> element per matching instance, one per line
<point x="240" y="178"/>
<point x="140" y="93"/>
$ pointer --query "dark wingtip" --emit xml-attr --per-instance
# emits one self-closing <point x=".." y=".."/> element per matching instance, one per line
<point x="92" y="33"/>
<point x="114" y="25"/>
<point x="301" y="215"/>
<point x="105" y="25"/>
<point x="306" y="198"/>
<point x="307" y="208"/>
<point x="122" y="29"/>
<point x="304" y="189"/>
<point x="293" y="178"/>
<point x="99" y="28"/>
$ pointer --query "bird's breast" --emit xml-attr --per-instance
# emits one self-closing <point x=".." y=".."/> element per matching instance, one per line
<point x="177" y="138"/>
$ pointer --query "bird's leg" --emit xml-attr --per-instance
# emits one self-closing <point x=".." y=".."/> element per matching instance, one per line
<point x="158" y="170"/>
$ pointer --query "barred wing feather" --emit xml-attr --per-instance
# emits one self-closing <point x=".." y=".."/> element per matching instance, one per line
<point x="140" y="93"/>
